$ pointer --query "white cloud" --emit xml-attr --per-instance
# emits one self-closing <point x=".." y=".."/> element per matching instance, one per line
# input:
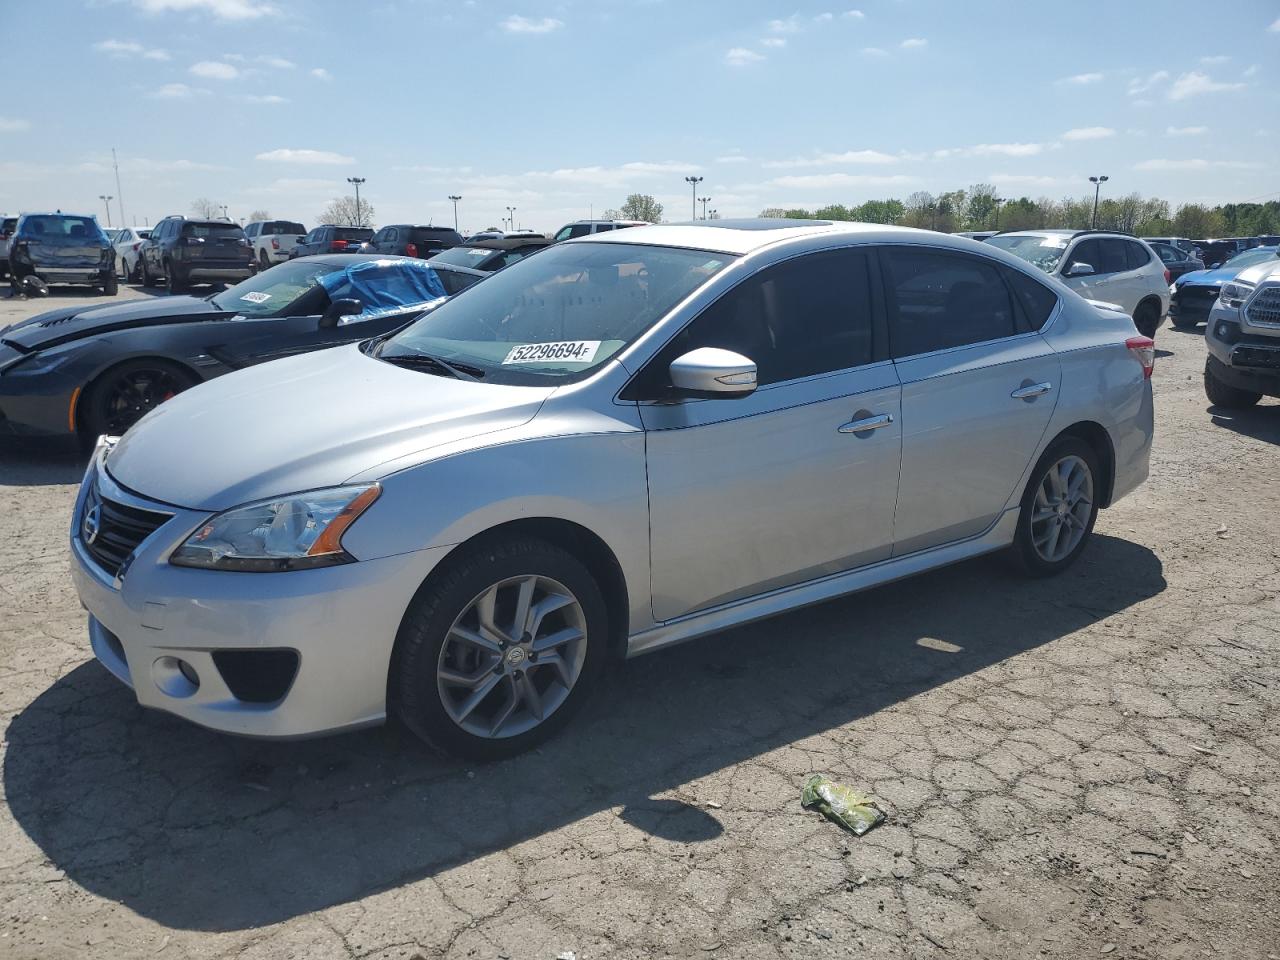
<point x="124" y="49"/>
<point x="854" y="15"/>
<point x="1024" y="179"/>
<point x="1185" y="131"/>
<point x="518" y="24"/>
<point x="219" y="9"/>
<point x="834" y="159"/>
<point x="1197" y="163"/>
<point x="324" y="157"/>
<point x="280" y="63"/>
<point x="1275" y="25"/>
<point x="831" y="180"/>
<point x="1082" y="79"/>
<point x="732" y="158"/>
<point x="1251" y="70"/>
<point x="1089" y="133"/>
<point x="992" y="150"/>
<point x="1195" y="83"/>
<point x="213" y="70"/>
<point x="914" y="43"/>
<point x="266" y="98"/>
<point x="1220" y="58"/>
<point x="320" y="73"/>
<point x="773" y="42"/>
<point x="824" y="18"/>
<point x="234" y="57"/>
<point x="1143" y="84"/>
<point x="176" y="91"/>
<point x="873" y="52"/>
<point x="741" y="57"/>
<point x="789" y="25"/>
<point x="14" y="125"/>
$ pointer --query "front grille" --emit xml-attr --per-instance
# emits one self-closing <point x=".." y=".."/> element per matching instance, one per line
<point x="1266" y="358"/>
<point x="1264" y="309"/>
<point x="111" y="531"/>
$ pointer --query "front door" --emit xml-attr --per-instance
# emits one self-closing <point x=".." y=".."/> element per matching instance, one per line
<point x="978" y="389"/>
<point x="752" y="494"/>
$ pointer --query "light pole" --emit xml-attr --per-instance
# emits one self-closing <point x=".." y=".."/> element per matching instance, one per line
<point x="356" y="181"/>
<point x="693" y="182"/>
<point x="997" y="201"/>
<point x="715" y="214"/>
<point x="704" y="201"/>
<point x="224" y="211"/>
<point x="455" y="198"/>
<point x="106" y="199"/>
<point x="511" y="218"/>
<point x="1097" y="188"/>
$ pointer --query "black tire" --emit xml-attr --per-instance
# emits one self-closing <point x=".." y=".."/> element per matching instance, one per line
<point x="147" y="280"/>
<point x="412" y="686"/>
<point x="172" y="282"/>
<point x="101" y="411"/>
<point x="263" y="262"/>
<point x="1224" y="395"/>
<point x="1147" y="318"/>
<point x="1183" y="324"/>
<point x="1023" y="550"/>
<point x="110" y="284"/>
<point x="134" y="275"/>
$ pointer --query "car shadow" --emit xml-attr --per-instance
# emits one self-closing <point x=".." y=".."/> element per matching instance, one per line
<point x="1261" y="422"/>
<point x="40" y="461"/>
<point x="201" y="831"/>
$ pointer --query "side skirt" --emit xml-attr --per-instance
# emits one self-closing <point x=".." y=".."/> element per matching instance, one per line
<point x="770" y="604"/>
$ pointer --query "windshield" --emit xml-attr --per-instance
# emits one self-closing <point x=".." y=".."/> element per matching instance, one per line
<point x="559" y="315"/>
<point x="274" y="291"/>
<point x="62" y="227"/>
<point x="464" y="256"/>
<point x="1250" y="257"/>
<point x="1044" y="251"/>
<point x="213" y="231"/>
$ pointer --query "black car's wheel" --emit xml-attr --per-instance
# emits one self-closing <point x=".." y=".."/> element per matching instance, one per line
<point x="1183" y="324"/>
<point x="147" y="280"/>
<point x="497" y="652"/>
<point x="121" y="396"/>
<point x="172" y="282"/>
<point x="110" y="283"/>
<point x="1059" y="508"/>
<point x="1222" y="394"/>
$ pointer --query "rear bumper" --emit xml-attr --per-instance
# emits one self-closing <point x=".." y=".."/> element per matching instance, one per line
<point x="199" y="271"/>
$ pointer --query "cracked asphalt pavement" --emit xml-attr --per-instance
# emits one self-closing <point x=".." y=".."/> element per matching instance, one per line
<point x="1082" y="766"/>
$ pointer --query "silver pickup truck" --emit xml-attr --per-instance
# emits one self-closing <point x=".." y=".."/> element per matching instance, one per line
<point x="1243" y="337"/>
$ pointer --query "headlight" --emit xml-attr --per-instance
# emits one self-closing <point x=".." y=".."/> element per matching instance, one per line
<point x="297" y="532"/>
<point x="1234" y="294"/>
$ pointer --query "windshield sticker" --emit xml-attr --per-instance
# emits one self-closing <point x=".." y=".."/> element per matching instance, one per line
<point x="256" y="297"/>
<point x="573" y="351"/>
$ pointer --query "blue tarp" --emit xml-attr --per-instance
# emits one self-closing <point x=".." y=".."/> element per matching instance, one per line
<point x="384" y="286"/>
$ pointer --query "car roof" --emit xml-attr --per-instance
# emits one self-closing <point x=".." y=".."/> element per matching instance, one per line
<point x="507" y="243"/>
<point x="745" y="236"/>
<point x="341" y="258"/>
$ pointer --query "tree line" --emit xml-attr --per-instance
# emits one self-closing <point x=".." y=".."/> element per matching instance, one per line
<point x="977" y="209"/>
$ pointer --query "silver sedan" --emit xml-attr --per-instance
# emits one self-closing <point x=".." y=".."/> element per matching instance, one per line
<point x="620" y="443"/>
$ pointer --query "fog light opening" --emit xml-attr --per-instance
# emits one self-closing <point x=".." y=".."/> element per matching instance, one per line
<point x="174" y="677"/>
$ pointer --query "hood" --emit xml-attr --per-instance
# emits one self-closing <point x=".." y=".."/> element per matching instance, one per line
<point x="304" y="422"/>
<point x="73" y="323"/>
<point x="1216" y="277"/>
<point x="1267" y="270"/>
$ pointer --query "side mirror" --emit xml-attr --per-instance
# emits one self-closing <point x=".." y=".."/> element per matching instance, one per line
<point x="713" y="372"/>
<point x="1080" y="269"/>
<point x="345" y="307"/>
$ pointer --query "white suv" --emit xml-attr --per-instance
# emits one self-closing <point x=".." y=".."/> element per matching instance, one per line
<point x="273" y="240"/>
<point x="1112" y="267"/>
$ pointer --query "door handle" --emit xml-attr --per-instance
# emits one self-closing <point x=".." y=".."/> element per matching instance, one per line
<point x="867" y="424"/>
<point x="1029" y="391"/>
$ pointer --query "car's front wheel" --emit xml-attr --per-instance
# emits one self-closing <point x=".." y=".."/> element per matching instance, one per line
<point x="1222" y="394"/>
<point x="123" y="395"/>
<point x="1059" y="508"/>
<point x="497" y="652"/>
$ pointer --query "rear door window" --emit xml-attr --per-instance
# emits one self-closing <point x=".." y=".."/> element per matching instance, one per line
<point x="1114" y="258"/>
<point x="579" y="230"/>
<point x="940" y="300"/>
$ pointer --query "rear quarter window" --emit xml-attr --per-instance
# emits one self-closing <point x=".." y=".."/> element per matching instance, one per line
<point x="1037" y="300"/>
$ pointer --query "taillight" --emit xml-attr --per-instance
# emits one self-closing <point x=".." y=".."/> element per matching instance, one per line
<point x="337" y="244"/>
<point x="410" y="249"/>
<point x="275" y="244"/>
<point x="1144" y="351"/>
<point x="136" y="246"/>
<point x="1168" y="277"/>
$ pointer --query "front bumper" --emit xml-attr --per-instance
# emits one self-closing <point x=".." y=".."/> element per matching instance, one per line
<point x="1239" y="358"/>
<point x="341" y="621"/>
<point x="1192" y="303"/>
<point x="37" y="404"/>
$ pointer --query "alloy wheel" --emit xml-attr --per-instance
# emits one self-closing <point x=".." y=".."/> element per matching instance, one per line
<point x="1061" y="509"/>
<point x="135" y="394"/>
<point x="512" y="657"/>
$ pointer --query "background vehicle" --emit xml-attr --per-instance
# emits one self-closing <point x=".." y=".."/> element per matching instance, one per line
<point x="7" y="226"/>
<point x="1243" y="337"/>
<point x="62" y="248"/>
<point x="407" y="240"/>
<point x="583" y="228"/>
<point x="1195" y="293"/>
<point x="330" y="238"/>
<point x="1115" y="268"/>
<point x="1175" y="259"/>
<point x="181" y="252"/>
<point x="1214" y="253"/>
<point x="94" y="371"/>
<point x="979" y="235"/>
<point x="1188" y="247"/>
<point x="563" y="464"/>
<point x="273" y="240"/>
<point x="128" y="252"/>
<point x="490" y="255"/>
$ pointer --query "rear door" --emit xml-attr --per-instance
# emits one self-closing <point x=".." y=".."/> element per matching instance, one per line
<point x="978" y="388"/>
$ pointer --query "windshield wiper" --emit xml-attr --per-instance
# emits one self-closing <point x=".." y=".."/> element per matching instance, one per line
<point x="459" y="371"/>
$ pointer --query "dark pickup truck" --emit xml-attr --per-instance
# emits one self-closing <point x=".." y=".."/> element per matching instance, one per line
<point x="408" y="240"/>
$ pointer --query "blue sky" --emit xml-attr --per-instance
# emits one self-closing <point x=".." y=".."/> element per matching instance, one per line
<point x="562" y="108"/>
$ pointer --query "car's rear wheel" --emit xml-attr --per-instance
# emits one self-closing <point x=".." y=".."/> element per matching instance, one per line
<point x="1059" y="508"/>
<point x="1222" y="394"/>
<point x="264" y="262"/>
<point x="1147" y="318"/>
<point x="172" y="282"/>
<point x="1182" y="324"/>
<point x="110" y="283"/>
<point x="121" y="396"/>
<point x="133" y="275"/>
<point x="497" y="653"/>
<point x="147" y="280"/>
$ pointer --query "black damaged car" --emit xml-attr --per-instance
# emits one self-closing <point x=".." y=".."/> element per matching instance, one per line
<point x="87" y="372"/>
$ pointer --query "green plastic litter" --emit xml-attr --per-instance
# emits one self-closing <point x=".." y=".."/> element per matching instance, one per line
<point x="854" y="811"/>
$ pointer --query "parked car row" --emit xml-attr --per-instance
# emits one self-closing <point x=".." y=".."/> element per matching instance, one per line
<point x="1193" y="295"/>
